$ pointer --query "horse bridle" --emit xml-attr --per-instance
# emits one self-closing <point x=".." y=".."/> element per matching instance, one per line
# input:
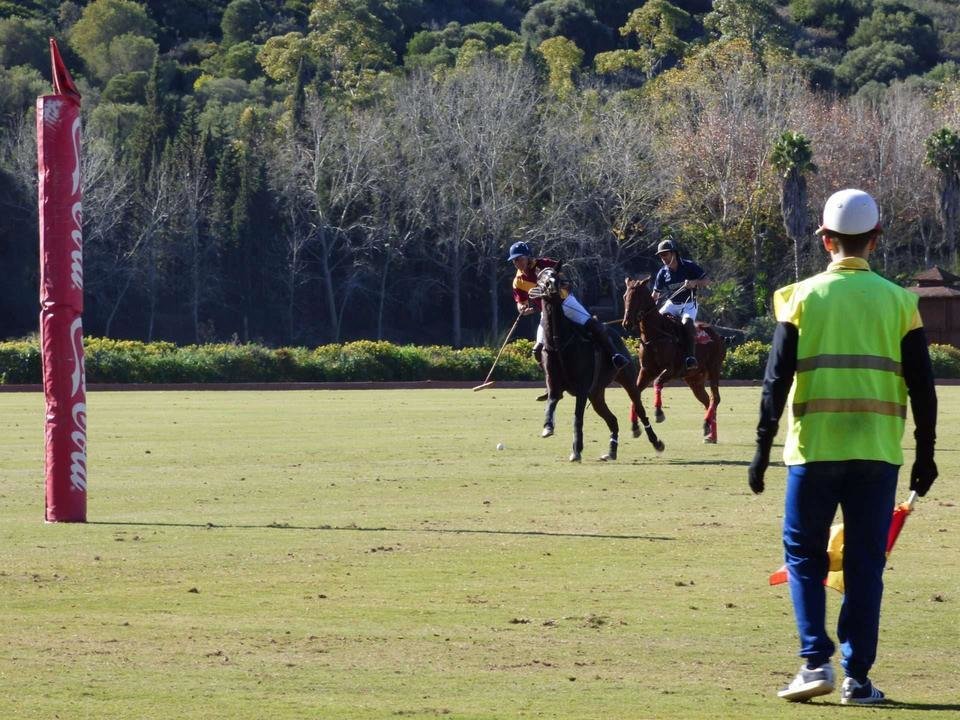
<point x="638" y="318"/>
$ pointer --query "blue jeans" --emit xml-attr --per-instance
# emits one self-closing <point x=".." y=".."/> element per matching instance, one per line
<point x="865" y="490"/>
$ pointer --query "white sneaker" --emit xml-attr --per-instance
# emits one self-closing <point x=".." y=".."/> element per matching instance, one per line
<point x="809" y="683"/>
<point x="855" y="693"/>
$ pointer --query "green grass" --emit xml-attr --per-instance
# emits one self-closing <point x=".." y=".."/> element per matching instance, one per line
<point x="370" y="554"/>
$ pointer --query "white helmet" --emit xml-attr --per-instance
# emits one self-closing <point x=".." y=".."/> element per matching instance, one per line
<point x="850" y="212"/>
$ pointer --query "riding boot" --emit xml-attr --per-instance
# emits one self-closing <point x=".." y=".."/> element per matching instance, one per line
<point x="690" y="343"/>
<point x="538" y="356"/>
<point x="603" y="340"/>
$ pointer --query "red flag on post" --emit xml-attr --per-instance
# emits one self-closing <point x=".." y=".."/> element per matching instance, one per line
<point x="834" y="577"/>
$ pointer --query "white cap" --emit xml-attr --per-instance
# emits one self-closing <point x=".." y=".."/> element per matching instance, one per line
<point x="850" y="212"/>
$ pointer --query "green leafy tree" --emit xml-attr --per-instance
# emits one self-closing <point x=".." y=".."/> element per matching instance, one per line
<point x="896" y="23"/>
<point x="562" y="57"/>
<point x="880" y="62"/>
<point x="19" y="87"/>
<point x="612" y="13"/>
<point x="131" y="53"/>
<point x="656" y="27"/>
<point x="470" y="52"/>
<point x="24" y="42"/>
<point x="100" y="28"/>
<point x="283" y="57"/>
<point x="571" y="19"/>
<point x="127" y="88"/>
<point x="793" y="159"/>
<point x="179" y="20"/>
<point x="755" y="21"/>
<point x="244" y="222"/>
<point x="345" y="51"/>
<point x="240" y="61"/>
<point x="942" y="153"/>
<point x="149" y="136"/>
<point x="436" y="48"/>
<point x="240" y="21"/>
<point x="839" y="16"/>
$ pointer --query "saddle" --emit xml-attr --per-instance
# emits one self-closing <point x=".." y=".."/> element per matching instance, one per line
<point x="675" y="328"/>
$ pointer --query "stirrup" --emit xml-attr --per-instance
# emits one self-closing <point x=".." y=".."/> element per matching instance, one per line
<point x="691" y="363"/>
<point x="620" y="361"/>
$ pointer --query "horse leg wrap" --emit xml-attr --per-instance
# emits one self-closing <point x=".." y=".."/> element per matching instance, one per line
<point x="711" y="415"/>
<point x="657" y="396"/>
<point x="710" y="424"/>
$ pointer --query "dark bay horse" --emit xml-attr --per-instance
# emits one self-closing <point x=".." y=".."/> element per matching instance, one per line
<point x="661" y="355"/>
<point x="574" y="364"/>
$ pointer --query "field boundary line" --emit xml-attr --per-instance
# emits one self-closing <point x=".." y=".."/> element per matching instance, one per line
<point x="365" y="385"/>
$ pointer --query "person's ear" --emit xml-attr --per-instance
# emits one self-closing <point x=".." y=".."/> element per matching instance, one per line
<point x="829" y="244"/>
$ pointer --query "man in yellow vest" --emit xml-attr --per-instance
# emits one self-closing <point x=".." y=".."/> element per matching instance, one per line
<point x="848" y="349"/>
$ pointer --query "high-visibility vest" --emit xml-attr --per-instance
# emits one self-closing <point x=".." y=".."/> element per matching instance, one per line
<point x="849" y="399"/>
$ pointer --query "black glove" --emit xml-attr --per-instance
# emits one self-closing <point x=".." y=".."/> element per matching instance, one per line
<point x="758" y="466"/>
<point x="922" y="475"/>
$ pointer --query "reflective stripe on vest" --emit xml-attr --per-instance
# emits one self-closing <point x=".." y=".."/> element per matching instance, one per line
<point x="848" y="400"/>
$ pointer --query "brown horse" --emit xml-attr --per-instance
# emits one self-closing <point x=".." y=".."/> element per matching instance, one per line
<point x="574" y="364"/>
<point x="662" y="355"/>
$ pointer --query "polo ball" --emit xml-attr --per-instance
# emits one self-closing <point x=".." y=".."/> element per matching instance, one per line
<point x="500" y="446"/>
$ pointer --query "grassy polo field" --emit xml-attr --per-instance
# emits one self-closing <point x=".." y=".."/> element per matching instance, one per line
<point x="371" y="554"/>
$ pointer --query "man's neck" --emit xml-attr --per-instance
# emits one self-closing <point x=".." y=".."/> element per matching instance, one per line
<point x="838" y="255"/>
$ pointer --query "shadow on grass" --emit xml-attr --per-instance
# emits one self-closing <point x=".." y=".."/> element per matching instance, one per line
<point x="718" y="463"/>
<point x="354" y="528"/>
<point x="895" y="705"/>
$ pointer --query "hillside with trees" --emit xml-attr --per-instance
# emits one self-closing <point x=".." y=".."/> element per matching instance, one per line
<point x="303" y="172"/>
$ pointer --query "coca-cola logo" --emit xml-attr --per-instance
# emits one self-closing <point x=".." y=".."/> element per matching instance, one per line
<point x="52" y="110"/>
<point x="78" y="410"/>
<point x="76" y="210"/>
<point x="76" y="254"/>
<point x="75" y="141"/>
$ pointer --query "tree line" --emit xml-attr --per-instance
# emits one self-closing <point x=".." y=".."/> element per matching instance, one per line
<point x="328" y="199"/>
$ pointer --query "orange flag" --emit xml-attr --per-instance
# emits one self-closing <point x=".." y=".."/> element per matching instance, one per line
<point x="834" y="577"/>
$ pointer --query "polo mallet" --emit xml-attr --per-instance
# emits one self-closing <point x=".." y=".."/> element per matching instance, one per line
<point x="487" y="382"/>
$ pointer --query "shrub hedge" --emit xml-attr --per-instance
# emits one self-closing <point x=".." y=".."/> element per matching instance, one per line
<point x="131" y="361"/>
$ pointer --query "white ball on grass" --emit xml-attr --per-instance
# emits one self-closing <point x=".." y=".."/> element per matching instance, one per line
<point x="500" y="446"/>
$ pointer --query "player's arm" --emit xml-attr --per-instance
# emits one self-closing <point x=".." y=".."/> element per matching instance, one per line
<point x="777" y="379"/>
<point x="918" y="376"/>
<point x="700" y="281"/>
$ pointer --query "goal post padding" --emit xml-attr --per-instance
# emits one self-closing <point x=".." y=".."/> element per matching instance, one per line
<point x="61" y="297"/>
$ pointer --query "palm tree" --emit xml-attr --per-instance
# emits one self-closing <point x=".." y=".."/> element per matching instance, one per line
<point x="792" y="159"/>
<point x="943" y="154"/>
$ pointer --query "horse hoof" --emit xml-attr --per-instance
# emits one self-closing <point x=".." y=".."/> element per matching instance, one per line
<point x="659" y="416"/>
<point x="709" y="441"/>
<point x="607" y="458"/>
<point x="547" y="431"/>
<point x="574" y="457"/>
<point x="659" y="447"/>
<point x="636" y="432"/>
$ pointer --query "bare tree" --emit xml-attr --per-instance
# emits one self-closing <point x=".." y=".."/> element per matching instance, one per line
<point x="335" y="168"/>
<point x="472" y="157"/>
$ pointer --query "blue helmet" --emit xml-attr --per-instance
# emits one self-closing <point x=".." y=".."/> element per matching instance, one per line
<point x="519" y="249"/>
